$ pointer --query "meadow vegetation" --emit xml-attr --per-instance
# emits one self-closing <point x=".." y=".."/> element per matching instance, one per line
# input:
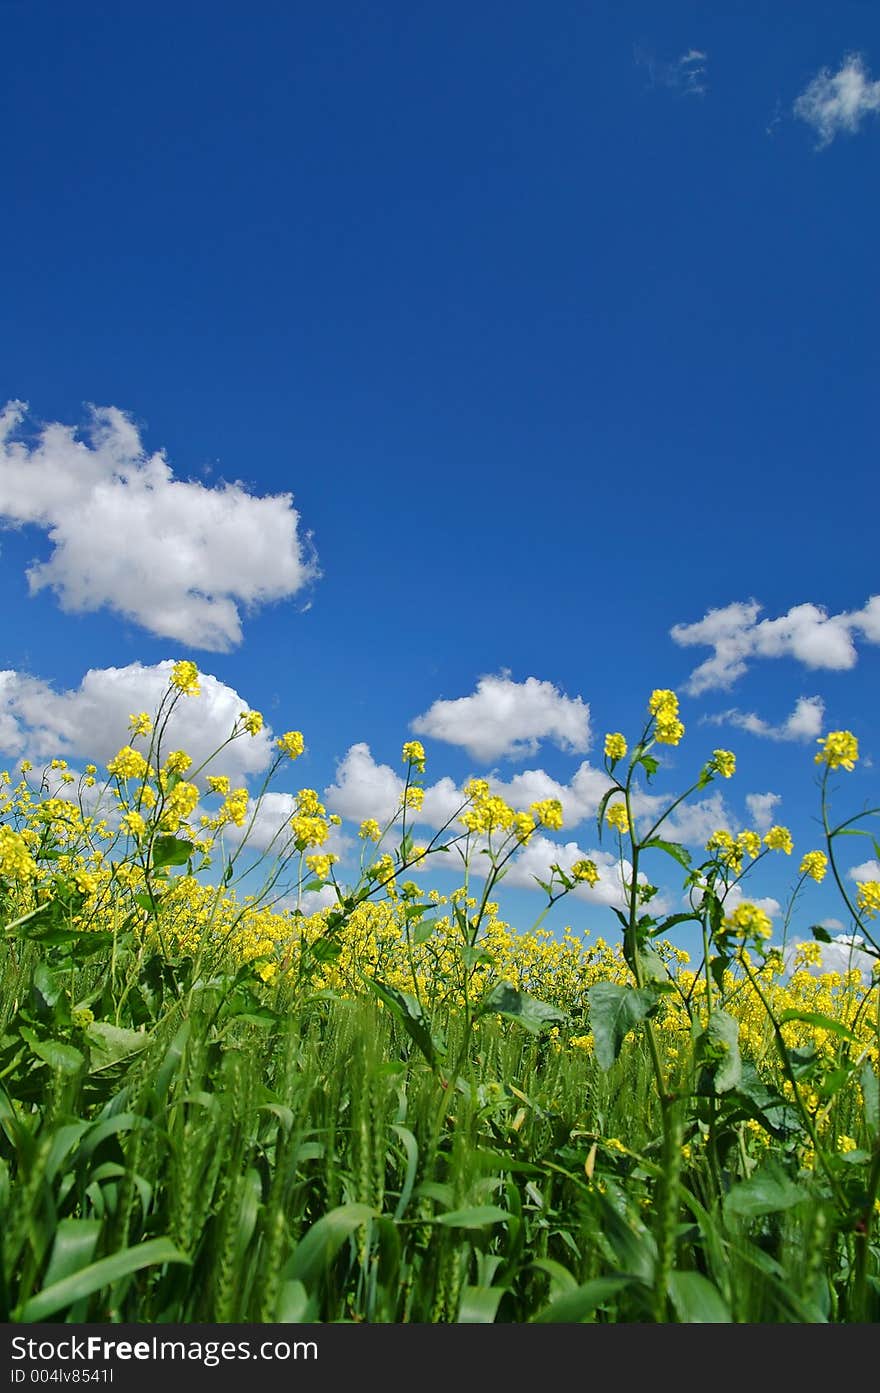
<point x="217" y="1105"/>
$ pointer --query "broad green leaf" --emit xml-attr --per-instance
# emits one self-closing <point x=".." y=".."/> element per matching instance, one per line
<point x="478" y="1216"/>
<point x="718" y="1052"/>
<point x="822" y="1023"/>
<point x="316" y="1249"/>
<point x="423" y="930"/>
<point x="65" y="1058"/>
<point x="73" y="1249"/>
<point x="871" y="1096"/>
<point x="171" y="851"/>
<point x="697" y="1301"/>
<point x="614" y="1011"/>
<point x="820" y="932"/>
<point x="109" y="1043"/>
<point x="533" y="1015"/>
<point x="767" y="1191"/>
<point x="678" y="853"/>
<point x="411" y="1147"/>
<point x="295" y="1306"/>
<point x="579" y="1304"/>
<point x="479" y="1305"/>
<point x="99" y="1274"/>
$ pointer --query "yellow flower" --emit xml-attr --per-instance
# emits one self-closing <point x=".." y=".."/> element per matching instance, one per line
<point x="748" y="921"/>
<point x="85" y="882"/>
<point x="16" y="862"/>
<point x="615" y="747"/>
<point x="523" y="827"/>
<point x="725" y="762"/>
<point x="234" y="807"/>
<point x="134" y="824"/>
<point x="370" y="831"/>
<point x="414" y="754"/>
<point x="177" y="762"/>
<point x="779" y="839"/>
<point x="616" y="816"/>
<point x="185" y="677"/>
<point x="319" y="864"/>
<point x="815" y="864"/>
<point x="252" y="721"/>
<point x="750" y="842"/>
<point x="548" y="812"/>
<point x="218" y="783"/>
<point x="413" y="797"/>
<point x="668" y="730"/>
<point x="663" y="702"/>
<point x="128" y="764"/>
<point x="869" y="897"/>
<point x="139" y="723"/>
<point x="840" y="749"/>
<point x="292" y="743"/>
<point x="309" y="831"/>
<point x="585" y="870"/>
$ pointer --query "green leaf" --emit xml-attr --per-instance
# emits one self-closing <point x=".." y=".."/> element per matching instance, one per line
<point x="295" y="1306"/>
<point x="65" y="1058"/>
<point x="533" y="1015"/>
<point x="871" y="1096"/>
<point x="87" y="1280"/>
<point x="478" y="1216"/>
<point x="678" y="853"/>
<point x="423" y="930"/>
<point x="479" y="1305"/>
<point x="73" y="1249"/>
<point x="411" y="1016"/>
<point x="577" y="1305"/>
<point x="316" y="1250"/>
<point x="614" y="1011"/>
<point x="697" y="1301"/>
<point x="767" y="1191"/>
<point x="109" y="1043"/>
<point x="820" y="932"/>
<point x="649" y="764"/>
<point x="823" y="1023"/>
<point x="171" y="851"/>
<point x="718" y="1052"/>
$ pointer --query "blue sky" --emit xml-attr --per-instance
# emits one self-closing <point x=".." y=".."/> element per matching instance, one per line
<point x="558" y="323"/>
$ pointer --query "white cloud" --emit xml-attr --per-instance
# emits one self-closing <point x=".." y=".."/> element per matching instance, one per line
<point x="761" y="806"/>
<point x="175" y="557"/>
<point x="868" y="870"/>
<point x="89" y="723"/>
<point x="686" y="74"/>
<point x="803" y="723"/>
<point x="533" y="862"/>
<point x="507" y="718"/>
<point x="694" y="823"/>
<point x="838" y="102"/>
<point x="806" y="633"/>
<point x="843" y="954"/>
<point x="735" y="896"/>
<point x="363" y="789"/>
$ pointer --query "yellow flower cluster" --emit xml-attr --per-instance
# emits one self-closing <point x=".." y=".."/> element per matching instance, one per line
<point x="616" y="816"/>
<point x="779" y="839"/>
<point x="868" y="897"/>
<point x="615" y="747"/>
<point x="815" y="865"/>
<point x="725" y="762"/>
<point x="185" y="677"/>
<point x="291" y="743"/>
<point x="663" y="706"/>
<point x="414" y="754"/>
<point x="128" y="764"/>
<point x="840" y="750"/>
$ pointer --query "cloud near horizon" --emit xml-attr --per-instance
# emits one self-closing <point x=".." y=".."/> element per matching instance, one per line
<point x="175" y="557"/>
<point x="507" y="719"/>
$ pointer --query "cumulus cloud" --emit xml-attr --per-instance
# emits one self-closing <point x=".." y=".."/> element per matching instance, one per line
<point x="735" y="896"/>
<point x="503" y="718"/>
<point x="694" y="823"/>
<point x="803" y="723"/>
<point x="686" y="74"/>
<point x="89" y="723"/>
<point x="535" y="859"/>
<point x="868" y="870"/>
<point x="843" y="954"/>
<point x="363" y="788"/>
<point x="806" y="633"/>
<point x="761" y="809"/>
<point x="834" y="103"/>
<point x="173" y="556"/>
